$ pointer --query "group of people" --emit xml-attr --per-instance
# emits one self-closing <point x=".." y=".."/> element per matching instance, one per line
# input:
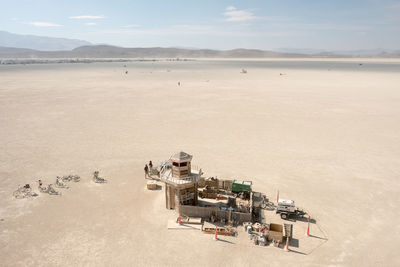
<point x="147" y="169"/>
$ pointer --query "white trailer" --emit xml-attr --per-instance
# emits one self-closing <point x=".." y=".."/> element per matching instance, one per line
<point x="287" y="208"/>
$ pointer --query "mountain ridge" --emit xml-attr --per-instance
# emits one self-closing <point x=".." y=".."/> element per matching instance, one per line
<point x="40" y="43"/>
<point x="33" y="46"/>
<point x="109" y="51"/>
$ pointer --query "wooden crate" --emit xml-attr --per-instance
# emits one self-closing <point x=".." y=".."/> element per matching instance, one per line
<point x="151" y="185"/>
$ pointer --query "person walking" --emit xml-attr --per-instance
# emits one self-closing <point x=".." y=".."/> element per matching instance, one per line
<point x="150" y="165"/>
<point x="146" y="171"/>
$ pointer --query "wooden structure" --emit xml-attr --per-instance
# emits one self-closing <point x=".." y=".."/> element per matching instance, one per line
<point x="181" y="183"/>
<point x="184" y="194"/>
<point x="275" y="233"/>
<point x="209" y="228"/>
<point x="207" y="212"/>
<point x="181" y="165"/>
<point x="151" y="185"/>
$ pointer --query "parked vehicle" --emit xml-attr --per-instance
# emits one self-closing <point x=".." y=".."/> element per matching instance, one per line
<point x="287" y="209"/>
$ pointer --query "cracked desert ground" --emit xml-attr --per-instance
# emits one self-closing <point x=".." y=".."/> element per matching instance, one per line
<point x="325" y="133"/>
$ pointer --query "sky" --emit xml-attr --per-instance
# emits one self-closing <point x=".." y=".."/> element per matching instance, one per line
<point x="215" y="24"/>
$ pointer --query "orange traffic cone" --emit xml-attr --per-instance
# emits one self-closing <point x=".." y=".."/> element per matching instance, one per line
<point x="216" y="235"/>
<point x="308" y="227"/>
<point x="287" y="244"/>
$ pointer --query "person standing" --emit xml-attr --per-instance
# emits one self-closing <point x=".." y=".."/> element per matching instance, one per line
<point x="150" y="165"/>
<point x="146" y="171"/>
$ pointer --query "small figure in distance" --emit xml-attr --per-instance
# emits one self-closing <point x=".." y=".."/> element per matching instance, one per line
<point x="151" y="165"/>
<point x="179" y="83"/>
<point x="146" y="171"/>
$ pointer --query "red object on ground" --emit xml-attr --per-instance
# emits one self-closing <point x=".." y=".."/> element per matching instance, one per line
<point x="287" y="244"/>
<point x="308" y="227"/>
<point x="179" y="220"/>
<point x="216" y="234"/>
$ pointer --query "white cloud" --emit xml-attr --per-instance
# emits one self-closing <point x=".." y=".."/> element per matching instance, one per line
<point x="43" y="24"/>
<point x="90" y="24"/>
<point x="234" y="14"/>
<point x="87" y="17"/>
<point x="131" y="26"/>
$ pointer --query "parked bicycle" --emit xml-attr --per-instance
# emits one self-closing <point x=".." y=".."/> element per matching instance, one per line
<point x="60" y="183"/>
<point x="23" y="192"/>
<point x="98" y="179"/>
<point x="47" y="189"/>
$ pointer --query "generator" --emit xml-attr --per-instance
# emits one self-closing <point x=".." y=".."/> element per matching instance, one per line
<point x="286" y="209"/>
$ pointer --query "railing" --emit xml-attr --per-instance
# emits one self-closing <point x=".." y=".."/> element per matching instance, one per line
<point x="167" y="177"/>
<point x="186" y="180"/>
<point x="166" y="174"/>
<point x="196" y="167"/>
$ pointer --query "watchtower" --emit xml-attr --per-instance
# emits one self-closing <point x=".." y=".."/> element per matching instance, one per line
<point x="181" y="181"/>
<point x="181" y="165"/>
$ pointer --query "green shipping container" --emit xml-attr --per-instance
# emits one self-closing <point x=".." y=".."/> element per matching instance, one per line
<point x="241" y="186"/>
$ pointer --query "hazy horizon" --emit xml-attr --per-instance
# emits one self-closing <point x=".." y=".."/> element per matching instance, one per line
<point x="222" y="25"/>
<point x="301" y="50"/>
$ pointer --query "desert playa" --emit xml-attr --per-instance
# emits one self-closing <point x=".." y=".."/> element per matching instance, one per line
<point x="325" y="133"/>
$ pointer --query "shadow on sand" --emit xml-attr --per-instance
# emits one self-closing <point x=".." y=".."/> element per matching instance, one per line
<point x="305" y="219"/>
<point x="294" y="242"/>
<point x="318" y="237"/>
<point x="226" y="241"/>
<point x="298" y="252"/>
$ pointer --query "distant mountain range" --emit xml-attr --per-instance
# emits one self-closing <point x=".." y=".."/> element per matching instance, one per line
<point x="30" y="46"/>
<point x="106" y="51"/>
<point x="8" y="39"/>
<point x="354" y="53"/>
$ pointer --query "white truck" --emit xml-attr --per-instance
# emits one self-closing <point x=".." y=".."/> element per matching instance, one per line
<point x="286" y="209"/>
